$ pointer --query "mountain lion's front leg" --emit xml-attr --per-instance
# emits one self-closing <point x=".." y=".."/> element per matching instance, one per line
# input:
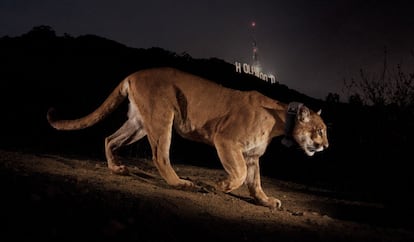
<point x="159" y="136"/>
<point x="254" y="184"/>
<point x="231" y="158"/>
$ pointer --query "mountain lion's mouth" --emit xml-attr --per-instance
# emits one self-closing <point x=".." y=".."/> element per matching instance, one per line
<point x="310" y="150"/>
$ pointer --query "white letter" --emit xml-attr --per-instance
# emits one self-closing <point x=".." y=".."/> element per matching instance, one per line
<point x="238" y="67"/>
<point x="256" y="71"/>
<point x="261" y="76"/>
<point x="272" y="79"/>
<point x="246" y="68"/>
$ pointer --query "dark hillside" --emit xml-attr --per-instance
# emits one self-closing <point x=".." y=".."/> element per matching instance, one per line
<point x="369" y="146"/>
<point x="75" y="74"/>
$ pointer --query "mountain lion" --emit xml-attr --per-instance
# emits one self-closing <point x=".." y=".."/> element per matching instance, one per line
<point x="239" y="124"/>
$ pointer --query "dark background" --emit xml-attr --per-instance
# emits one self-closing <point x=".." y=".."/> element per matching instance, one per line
<point x="370" y="146"/>
<point x="311" y="46"/>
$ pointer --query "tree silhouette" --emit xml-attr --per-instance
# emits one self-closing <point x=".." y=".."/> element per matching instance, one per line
<point x="355" y="99"/>
<point x="332" y="98"/>
<point x="386" y="87"/>
<point x="41" y="31"/>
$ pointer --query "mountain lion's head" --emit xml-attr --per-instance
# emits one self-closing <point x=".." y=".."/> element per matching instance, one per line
<point x="310" y="131"/>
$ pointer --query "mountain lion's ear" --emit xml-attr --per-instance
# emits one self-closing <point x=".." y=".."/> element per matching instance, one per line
<point x="304" y="114"/>
<point x="319" y="112"/>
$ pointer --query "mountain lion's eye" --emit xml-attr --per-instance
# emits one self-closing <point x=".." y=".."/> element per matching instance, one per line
<point x="320" y="132"/>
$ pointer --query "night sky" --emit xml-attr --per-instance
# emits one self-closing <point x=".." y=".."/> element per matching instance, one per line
<point x="310" y="46"/>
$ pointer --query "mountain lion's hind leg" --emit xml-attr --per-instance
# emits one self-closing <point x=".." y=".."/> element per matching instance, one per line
<point x="131" y="131"/>
<point x="254" y="184"/>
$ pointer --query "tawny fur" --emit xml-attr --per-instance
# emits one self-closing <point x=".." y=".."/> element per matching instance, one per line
<point x="238" y="124"/>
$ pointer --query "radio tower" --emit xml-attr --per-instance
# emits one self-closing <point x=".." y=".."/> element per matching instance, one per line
<point x="255" y="54"/>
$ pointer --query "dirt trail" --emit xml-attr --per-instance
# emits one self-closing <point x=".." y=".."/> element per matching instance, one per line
<point x="56" y="197"/>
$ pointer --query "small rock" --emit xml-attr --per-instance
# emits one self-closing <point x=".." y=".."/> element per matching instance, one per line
<point x="297" y="213"/>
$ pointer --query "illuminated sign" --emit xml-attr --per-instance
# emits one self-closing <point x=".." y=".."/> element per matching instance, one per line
<point x="252" y="70"/>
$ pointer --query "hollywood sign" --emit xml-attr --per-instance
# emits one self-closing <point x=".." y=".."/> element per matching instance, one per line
<point x="252" y="70"/>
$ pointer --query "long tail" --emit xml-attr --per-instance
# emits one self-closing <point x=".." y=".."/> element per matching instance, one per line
<point x="108" y="106"/>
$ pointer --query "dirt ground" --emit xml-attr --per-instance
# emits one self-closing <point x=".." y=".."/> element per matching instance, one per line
<point x="58" y="197"/>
